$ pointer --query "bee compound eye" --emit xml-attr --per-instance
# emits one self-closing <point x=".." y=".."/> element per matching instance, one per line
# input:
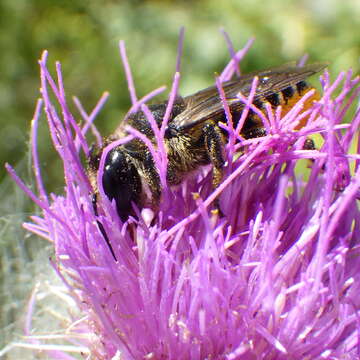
<point x="121" y="181"/>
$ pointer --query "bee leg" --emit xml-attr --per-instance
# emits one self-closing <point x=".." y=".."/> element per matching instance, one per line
<point x="254" y="132"/>
<point x="172" y="175"/>
<point x="100" y="225"/>
<point x="214" y="146"/>
<point x="309" y="144"/>
<point x="152" y="179"/>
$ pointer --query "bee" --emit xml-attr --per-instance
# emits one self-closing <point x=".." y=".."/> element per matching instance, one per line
<point x="193" y="137"/>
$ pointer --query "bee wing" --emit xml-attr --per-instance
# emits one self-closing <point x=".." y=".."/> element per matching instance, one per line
<point x="206" y="104"/>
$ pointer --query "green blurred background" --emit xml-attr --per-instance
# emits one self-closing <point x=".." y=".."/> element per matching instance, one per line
<point x="84" y="35"/>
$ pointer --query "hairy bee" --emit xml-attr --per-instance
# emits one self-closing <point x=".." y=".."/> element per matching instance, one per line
<point x="193" y="137"/>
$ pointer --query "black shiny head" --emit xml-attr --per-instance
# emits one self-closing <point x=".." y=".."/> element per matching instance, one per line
<point x="121" y="181"/>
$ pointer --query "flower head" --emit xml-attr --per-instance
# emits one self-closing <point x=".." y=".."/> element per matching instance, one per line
<point x="276" y="277"/>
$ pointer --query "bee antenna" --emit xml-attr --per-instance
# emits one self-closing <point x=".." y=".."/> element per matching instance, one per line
<point x="101" y="226"/>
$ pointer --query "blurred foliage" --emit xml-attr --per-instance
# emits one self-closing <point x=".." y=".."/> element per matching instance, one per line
<point x="83" y="36"/>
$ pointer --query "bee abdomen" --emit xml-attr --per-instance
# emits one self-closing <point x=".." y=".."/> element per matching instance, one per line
<point x="274" y="99"/>
<point x="291" y="94"/>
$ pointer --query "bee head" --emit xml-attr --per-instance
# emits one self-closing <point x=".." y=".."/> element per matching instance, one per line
<point x="121" y="181"/>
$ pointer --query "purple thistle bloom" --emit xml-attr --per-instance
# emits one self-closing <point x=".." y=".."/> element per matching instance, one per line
<point x="278" y="277"/>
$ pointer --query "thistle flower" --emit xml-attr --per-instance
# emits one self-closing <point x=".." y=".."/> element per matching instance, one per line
<point x="278" y="277"/>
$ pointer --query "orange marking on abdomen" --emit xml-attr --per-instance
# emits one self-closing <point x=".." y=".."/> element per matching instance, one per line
<point x="286" y="107"/>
